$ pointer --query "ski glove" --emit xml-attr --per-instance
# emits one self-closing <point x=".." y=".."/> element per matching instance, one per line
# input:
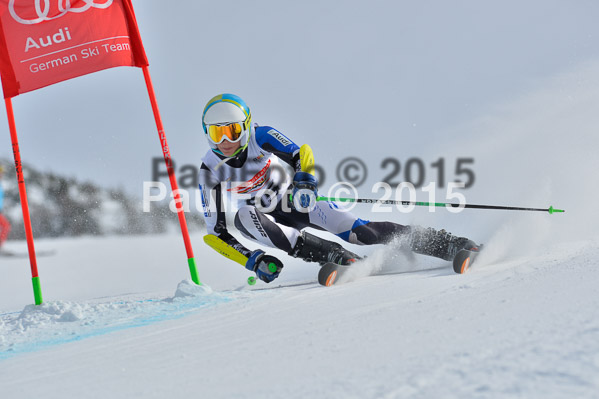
<point x="266" y="267"/>
<point x="304" y="191"/>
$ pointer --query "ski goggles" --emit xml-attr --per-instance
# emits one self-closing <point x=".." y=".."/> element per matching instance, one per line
<point x="232" y="132"/>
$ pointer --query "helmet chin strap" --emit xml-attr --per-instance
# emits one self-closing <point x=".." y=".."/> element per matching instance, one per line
<point x="221" y="163"/>
<point x="225" y="160"/>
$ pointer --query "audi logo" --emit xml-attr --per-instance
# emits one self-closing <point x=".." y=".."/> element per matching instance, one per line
<point x="42" y="8"/>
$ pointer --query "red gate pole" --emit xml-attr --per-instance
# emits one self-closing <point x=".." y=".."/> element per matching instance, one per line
<point x="37" y="289"/>
<point x="171" y="175"/>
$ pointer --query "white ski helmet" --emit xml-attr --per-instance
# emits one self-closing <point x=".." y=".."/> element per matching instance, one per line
<point x="227" y="117"/>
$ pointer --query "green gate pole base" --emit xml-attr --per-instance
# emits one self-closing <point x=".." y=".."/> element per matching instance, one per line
<point x="194" y="271"/>
<point x="37" y="290"/>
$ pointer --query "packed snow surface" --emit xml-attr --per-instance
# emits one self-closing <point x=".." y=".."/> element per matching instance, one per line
<point x="515" y="326"/>
<point x="121" y="320"/>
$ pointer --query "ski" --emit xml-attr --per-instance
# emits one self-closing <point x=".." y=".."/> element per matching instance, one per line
<point x="330" y="272"/>
<point x="463" y="260"/>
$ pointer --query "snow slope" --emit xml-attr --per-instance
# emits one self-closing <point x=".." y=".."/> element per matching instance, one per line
<point x="525" y="326"/>
<point x="121" y="321"/>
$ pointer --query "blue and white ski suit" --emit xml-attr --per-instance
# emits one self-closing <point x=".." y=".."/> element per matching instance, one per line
<point x="260" y="184"/>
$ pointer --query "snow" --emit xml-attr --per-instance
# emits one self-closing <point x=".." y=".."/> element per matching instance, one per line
<point x="122" y="320"/>
<point x="525" y="326"/>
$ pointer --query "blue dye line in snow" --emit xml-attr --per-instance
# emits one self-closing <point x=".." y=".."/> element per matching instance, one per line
<point x="158" y="311"/>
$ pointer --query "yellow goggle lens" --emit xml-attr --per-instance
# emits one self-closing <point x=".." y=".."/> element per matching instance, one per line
<point x="218" y="133"/>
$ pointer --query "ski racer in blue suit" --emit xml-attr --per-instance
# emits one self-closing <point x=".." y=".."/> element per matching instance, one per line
<point x="245" y="164"/>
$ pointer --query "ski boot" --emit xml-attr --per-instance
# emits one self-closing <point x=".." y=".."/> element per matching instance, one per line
<point x="438" y="243"/>
<point x="315" y="249"/>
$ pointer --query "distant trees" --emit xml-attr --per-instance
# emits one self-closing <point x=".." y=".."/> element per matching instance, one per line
<point x="65" y="207"/>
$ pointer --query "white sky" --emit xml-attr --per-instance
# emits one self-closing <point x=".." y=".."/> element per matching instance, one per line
<point x="371" y="79"/>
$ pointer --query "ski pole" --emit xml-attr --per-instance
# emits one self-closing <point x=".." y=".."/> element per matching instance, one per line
<point x="551" y="209"/>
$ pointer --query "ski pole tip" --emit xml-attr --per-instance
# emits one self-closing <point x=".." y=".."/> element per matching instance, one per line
<point x="552" y="210"/>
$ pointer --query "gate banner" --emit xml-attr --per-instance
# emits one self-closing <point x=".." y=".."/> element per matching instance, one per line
<point x="43" y="42"/>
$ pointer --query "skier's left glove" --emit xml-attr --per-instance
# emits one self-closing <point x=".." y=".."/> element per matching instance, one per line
<point x="304" y="191"/>
<point x="266" y="267"/>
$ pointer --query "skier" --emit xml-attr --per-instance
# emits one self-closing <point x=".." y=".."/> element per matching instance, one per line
<point x="244" y="160"/>
<point x="4" y="223"/>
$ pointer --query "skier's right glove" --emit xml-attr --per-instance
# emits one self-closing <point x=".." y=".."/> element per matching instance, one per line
<point x="266" y="267"/>
<point x="304" y="191"/>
